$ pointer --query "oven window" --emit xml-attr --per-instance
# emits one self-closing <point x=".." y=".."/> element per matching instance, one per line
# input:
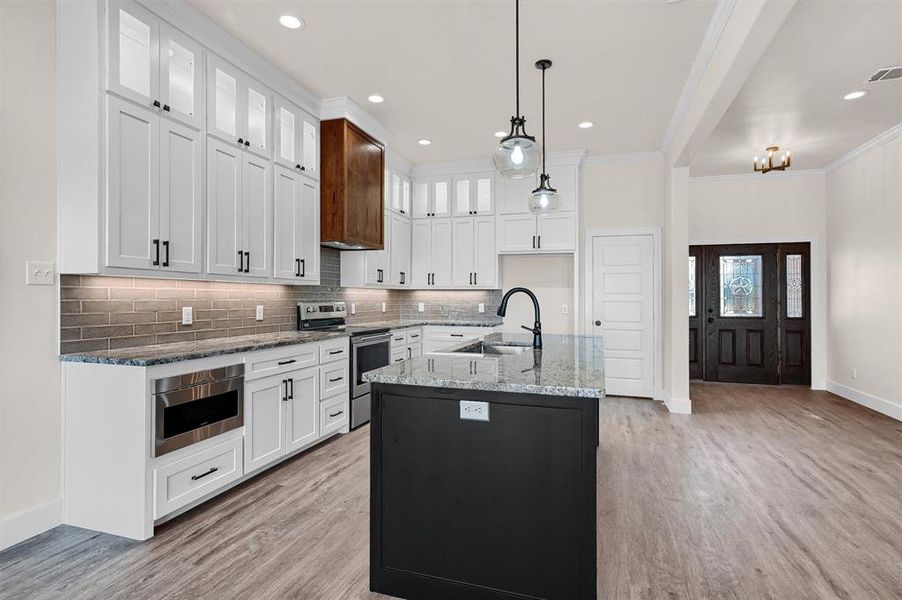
<point x="199" y="413"/>
<point x="369" y="358"/>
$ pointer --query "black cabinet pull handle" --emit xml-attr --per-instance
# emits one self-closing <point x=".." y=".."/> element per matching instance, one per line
<point x="333" y="415"/>
<point x="303" y="267"/>
<point x="303" y="168"/>
<point x="335" y="379"/>
<point x="166" y="107"/>
<point x="156" y="103"/>
<point x="533" y="242"/>
<point x="285" y="393"/>
<point x="475" y="278"/>
<point x="247" y="266"/>
<point x="247" y="142"/>
<point x="298" y="167"/>
<point x="540" y="242"/>
<point x="287" y="362"/>
<point x="156" y="261"/>
<point x="291" y="383"/>
<point x="240" y="261"/>
<point x="334" y="352"/>
<point x="202" y="475"/>
<point x="457" y="335"/>
<point x="297" y="267"/>
<point x="240" y="140"/>
<point x="166" y="247"/>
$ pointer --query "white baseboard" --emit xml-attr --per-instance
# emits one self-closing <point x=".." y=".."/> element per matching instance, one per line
<point x="21" y="526"/>
<point x="679" y="406"/>
<point x="863" y="398"/>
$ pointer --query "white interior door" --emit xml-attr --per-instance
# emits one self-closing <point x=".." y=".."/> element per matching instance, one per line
<point x="622" y="311"/>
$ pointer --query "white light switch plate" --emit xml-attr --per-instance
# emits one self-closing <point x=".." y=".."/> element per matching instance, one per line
<point x="259" y="312"/>
<point x="564" y="309"/>
<point x="38" y="273"/>
<point x="187" y="315"/>
<point x="421" y="307"/>
<point x="481" y="307"/>
<point x="474" y="411"/>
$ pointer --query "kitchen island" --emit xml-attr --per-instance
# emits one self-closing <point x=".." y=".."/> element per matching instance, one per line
<point x="483" y="471"/>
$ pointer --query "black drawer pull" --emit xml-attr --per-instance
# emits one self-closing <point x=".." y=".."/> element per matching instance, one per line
<point x="287" y="362"/>
<point x="333" y="415"/>
<point x="336" y="379"/>
<point x="400" y="339"/>
<point x="334" y="352"/>
<point x="202" y="475"/>
<point x="156" y="244"/>
<point x="457" y="335"/>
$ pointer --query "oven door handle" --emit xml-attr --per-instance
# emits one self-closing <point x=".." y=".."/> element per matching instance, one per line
<point x="371" y="339"/>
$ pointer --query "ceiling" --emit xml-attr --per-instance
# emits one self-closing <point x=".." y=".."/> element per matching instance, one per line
<point x="445" y="68"/>
<point x="794" y="96"/>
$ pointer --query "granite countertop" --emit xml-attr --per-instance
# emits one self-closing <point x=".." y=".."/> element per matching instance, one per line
<point x="565" y="366"/>
<point x="159" y="354"/>
<point x="358" y="328"/>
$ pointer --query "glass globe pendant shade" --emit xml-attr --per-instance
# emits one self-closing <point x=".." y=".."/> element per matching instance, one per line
<point x="544" y="199"/>
<point x="517" y="155"/>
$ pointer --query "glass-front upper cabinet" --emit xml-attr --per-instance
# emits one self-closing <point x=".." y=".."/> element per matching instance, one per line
<point x="153" y="64"/>
<point x="396" y="193"/>
<point x="473" y="195"/>
<point x="441" y="197"/>
<point x="422" y="206"/>
<point x="483" y="194"/>
<point x="462" y="196"/>
<point x="405" y="195"/>
<point x="239" y="108"/>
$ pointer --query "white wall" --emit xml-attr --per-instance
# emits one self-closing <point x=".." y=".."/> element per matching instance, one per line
<point x="776" y="207"/>
<point x="550" y="278"/>
<point x="30" y="409"/>
<point x="864" y="246"/>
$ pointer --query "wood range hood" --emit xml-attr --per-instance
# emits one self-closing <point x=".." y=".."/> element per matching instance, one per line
<point x="352" y="198"/>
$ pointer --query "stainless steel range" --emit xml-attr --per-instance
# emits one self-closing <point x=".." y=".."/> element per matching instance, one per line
<point x="369" y="349"/>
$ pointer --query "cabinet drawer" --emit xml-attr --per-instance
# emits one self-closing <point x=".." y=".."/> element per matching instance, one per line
<point x="333" y="379"/>
<point x="333" y="415"/>
<point x="334" y="350"/>
<point x="281" y="360"/>
<point x="184" y="481"/>
<point x="398" y="338"/>
<point x="414" y="335"/>
<point x="398" y="354"/>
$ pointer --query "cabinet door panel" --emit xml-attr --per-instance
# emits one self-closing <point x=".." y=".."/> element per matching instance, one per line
<point x="310" y="145"/>
<point x="181" y="196"/>
<point x="377" y="261"/>
<point x="485" y="260"/>
<point x="181" y="77"/>
<point x="516" y="233"/>
<point x="307" y="230"/>
<point x="256" y="214"/>
<point x="285" y="195"/>
<point x="264" y="421"/>
<point x="441" y="197"/>
<point x="286" y="136"/>
<point x="441" y="253"/>
<point x="133" y="59"/>
<point x="405" y="196"/>
<point x="257" y="110"/>
<point x="223" y="97"/>
<point x="462" y="253"/>
<point x="463" y="191"/>
<point x="421" y="254"/>
<point x="224" y="234"/>
<point x="557" y="231"/>
<point x="421" y="202"/>
<point x="303" y="408"/>
<point x="396" y="193"/>
<point x="512" y="194"/>
<point x="400" y="250"/>
<point x="132" y="185"/>
<point x="483" y="202"/>
<point x="565" y="180"/>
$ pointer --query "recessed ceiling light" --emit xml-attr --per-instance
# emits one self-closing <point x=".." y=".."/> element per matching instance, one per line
<point x="292" y="22"/>
<point x="854" y="95"/>
<point x="500" y="134"/>
<point x="375" y="98"/>
<point x="424" y="142"/>
<point x="586" y="124"/>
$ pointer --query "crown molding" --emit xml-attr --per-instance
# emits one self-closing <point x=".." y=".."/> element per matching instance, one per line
<point x="484" y="165"/>
<point x="889" y="134"/>
<point x="757" y="176"/>
<point x="632" y="157"/>
<point x="214" y="37"/>
<point x="716" y="27"/>
<point x="343" y="107"/>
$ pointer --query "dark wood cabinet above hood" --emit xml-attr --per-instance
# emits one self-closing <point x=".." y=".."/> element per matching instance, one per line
<point x="352" y="205"/>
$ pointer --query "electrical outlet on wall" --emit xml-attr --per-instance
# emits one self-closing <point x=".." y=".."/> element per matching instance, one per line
<point x="259" y="312"/>
<point x="854" y="373"/>
<point x="564" y="309"/>
<point x="481" y="307"/>
<point x="38" y="273"/>
<point x="420" y="307"/>
<point x="187" y="315"/>
<point x="383" y="307"/>
<point x="353" y="308"/>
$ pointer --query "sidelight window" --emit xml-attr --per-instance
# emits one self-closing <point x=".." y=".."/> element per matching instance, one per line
<point x="740" y="286"/>
<point x="794" y="285"/>
<point x="692" y="302"/>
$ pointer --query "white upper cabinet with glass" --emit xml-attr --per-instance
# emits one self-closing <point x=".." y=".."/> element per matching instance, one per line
<point x="295" y="138"/>
<point x="239" y="108"/>
<point x="398" y="194"/>
<point x="153" y="64"/>
<point x="473" y="195"/>
<point x="432" y="197"/>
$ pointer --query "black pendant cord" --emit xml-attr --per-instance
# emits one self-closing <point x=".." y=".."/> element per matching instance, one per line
<point x="517" y="52"/>
<point x="544" y="137"/>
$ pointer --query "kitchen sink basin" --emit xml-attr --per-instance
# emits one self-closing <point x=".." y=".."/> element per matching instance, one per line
<point x="483" y="348"/>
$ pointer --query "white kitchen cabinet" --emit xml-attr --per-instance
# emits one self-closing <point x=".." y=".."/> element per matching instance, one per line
<point x="295" y="138"/>
<point x="153" y="64"/>
<point x="398" y="192"/>
<point x="399" y="254"/>
<point x="556" y="232"/>
<point x="296" y="231"/>
<point x="155" y="191"/>
<point x="473" y="195"/>
<point x="474" y="261"/>
<point x="530" y="234"/>
<point x="516" y="233"/>
<point x="405" y="195"/>
<point x="239" y="207"/>
<point x="432" y="197"/>
<point x="239" y="108"/>
<point x="302" y="420"/>
<point x="431" y="253"/>
<point x="378" y="262"/>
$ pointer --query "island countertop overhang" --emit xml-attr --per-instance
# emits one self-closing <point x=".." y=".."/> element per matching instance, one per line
<point x="566" y="366"/>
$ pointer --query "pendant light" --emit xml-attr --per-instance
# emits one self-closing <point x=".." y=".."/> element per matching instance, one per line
<point x="517" y="155"/>
<point x="544" y="198"/>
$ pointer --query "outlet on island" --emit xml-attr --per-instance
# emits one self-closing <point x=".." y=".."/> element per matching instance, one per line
<point x="471" y="410"/>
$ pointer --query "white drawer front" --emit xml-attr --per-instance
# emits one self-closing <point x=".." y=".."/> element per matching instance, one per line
<point x="184" y="481"/>
<point x="398" y="338"/>
<point x="398" y="354"/>
<point x="334" y="350"/>
<point x="333" y="415"/>
<point x="280" y="360"/>
<point x="333" y="379"/>
<point x="414" y="335"/>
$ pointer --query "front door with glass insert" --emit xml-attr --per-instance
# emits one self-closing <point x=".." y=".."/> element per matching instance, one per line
<point x="749" y="313"/>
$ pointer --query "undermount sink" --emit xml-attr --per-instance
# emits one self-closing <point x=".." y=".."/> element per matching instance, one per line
<point x="483" y="348"/>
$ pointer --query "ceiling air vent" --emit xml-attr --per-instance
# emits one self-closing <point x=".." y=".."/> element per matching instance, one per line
<point x="886" y="74"/>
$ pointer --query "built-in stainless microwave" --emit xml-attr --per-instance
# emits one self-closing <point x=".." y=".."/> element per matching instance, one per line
<point x="197" y="406"/>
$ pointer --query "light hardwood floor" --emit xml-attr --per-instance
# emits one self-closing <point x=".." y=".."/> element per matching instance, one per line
<point x="764" y="492"/>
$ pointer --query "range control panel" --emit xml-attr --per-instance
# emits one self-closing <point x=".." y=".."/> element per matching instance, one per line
<point x="322" y="310"/>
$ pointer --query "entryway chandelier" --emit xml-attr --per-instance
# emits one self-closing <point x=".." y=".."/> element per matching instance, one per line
<point x="517" y="155"/>
<point x="766" y="165"/>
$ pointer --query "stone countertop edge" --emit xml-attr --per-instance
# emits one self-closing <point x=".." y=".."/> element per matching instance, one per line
<point x="484" y="386"/>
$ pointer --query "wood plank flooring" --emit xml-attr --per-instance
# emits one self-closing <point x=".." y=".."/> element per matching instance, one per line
<point x="764" y="492"/>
